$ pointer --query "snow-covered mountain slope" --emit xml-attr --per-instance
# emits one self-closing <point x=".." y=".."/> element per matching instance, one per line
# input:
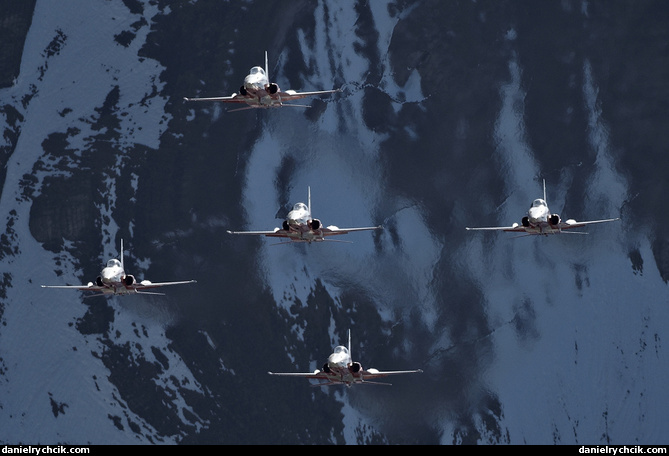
<point x="451" y="115"/>
<point x="56" y="383"/>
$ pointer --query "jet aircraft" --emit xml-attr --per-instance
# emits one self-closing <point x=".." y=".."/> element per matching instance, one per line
<point x="113" y="280"/>
<point x="259" y="92"/>
<point x="341" y="370"/>
<point x="540" y="221"/>
<point x="299" y="226"/>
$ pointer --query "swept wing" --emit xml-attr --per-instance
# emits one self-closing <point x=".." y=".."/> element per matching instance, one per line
<point x="275" y="100"/>
<point x="365" y="377"/>
<point x="569" y="224"/>
<point x="137" y="288"/>
<point x="234" y="98"/>
<point x="307" y="235"/>
<point x="146" y="284"/>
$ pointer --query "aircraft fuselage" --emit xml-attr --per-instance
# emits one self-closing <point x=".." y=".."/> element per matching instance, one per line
<point x="299" y="220"/>
<point x="113" y="278"/>
<point x="340" y="364"/>
<point x="540" y="218"/>
<point x="256" y="84"/>
<point x="538" y="212"/>
<point x="113" y="273"/>
<point x="256" y="80"/>
<point x="300" y="215"/>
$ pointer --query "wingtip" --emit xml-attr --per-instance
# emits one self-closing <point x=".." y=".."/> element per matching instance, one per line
<point x="186" y="99"/>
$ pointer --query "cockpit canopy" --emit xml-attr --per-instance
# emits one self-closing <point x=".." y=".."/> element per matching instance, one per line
<point x="257" y="70"/>
<point x="341" y="349"/>
<point x="113" y="263"/>
<point x="300" y="207"/>
<point x="538" y="203"/>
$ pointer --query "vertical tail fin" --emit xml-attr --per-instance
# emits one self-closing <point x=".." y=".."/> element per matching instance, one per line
<point x="267" y="68"/>
<point x="122" y="265"/>
<point x="309" y="199"/>
<point x="545" y="191"/>
<point x="349" y="343"/>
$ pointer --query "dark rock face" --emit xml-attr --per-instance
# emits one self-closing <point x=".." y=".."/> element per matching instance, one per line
<point x="193" y="183"/>
<point x="16" y="18"/>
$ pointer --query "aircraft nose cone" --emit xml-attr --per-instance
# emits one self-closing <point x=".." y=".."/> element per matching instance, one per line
<point x="253" y="83"/>
<point x="336" y="360"/>
<point x="294" y="218"/>
<point x="536" y="215"/>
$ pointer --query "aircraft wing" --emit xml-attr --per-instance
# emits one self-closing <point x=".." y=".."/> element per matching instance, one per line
<point x="136" y="287"/>
<point x="571" y="223"/>
<point x="514" y="227"/>
<point x="333" y="230"/>
<point x="368" y="376"/>
<point x="329" y="231"/>
<point x="97" y="290"/>
<point x="318" y="375"/>
<point x="146" y="284"/>
<point x="290" y="95"/>
<point x="89" y="287"/>
<point x="371" y="374"/>
<point x="275" y="233"/>
<point x="234" y="98"/>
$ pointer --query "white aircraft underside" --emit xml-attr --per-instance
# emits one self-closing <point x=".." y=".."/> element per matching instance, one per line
<point x="300" y="226"/>
<point x="258" y="92"/>
<point x="341" y="370"/>
<point x="113" y="280"/>
<point x="540" y="221"/>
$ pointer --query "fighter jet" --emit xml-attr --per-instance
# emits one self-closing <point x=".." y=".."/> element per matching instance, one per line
<point x="540" y="221"/>
<point x="259" y="92"/>
<point x="114" y="281"/>
<point x="299" y="226"/>
<point x="341" y="370"/>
